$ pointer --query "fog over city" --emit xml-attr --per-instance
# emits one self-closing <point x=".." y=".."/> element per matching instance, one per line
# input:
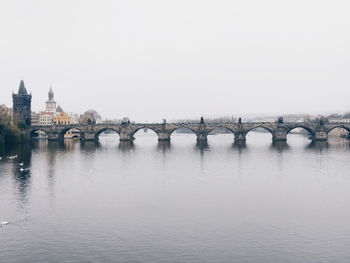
<point x="150" y="60"/>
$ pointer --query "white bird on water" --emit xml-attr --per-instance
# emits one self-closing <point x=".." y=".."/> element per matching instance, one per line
<point x="21" y="164"/>
<point x="13" y="157"/>
<point x="24" y="169"/>
<point x="3" y="223"/>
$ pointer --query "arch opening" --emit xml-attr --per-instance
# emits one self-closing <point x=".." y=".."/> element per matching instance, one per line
<point x="71" y="133"/>
<point x="220" y="130"/>
<point x="259" y="131"/>
<point x="221" y="133"/>
<point x="339" y="132"/>
<point x="299" y="135"/>
<point x="38" y="134"/>
<point x="107" y="131"/>
<point x="301" y="130"/>
<point x="107" y="136"/>
<point x="144" y="133"/>
<point x="183" y="134"/>
<point x="182" y="130"/>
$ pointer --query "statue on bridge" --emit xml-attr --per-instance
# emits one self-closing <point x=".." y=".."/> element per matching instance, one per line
<point x="202" y="120"/>
<point x="321" y="121"/>
<point x="125" y="122"/>
<point x="239" y="120"/>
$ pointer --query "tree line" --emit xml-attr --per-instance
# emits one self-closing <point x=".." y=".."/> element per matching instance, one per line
<point x="12" y="130"/>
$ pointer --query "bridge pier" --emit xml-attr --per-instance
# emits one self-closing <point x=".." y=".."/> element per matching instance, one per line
<point x="89" y="136"/>
<point x="126" y="137"/>
<point x="202" y="137"/>
<point x="279" y="136"/>
<point x="320" y="136"/>
<point x="53" y="136"/>
<point x="240" y="137"/>
<point x="163" y="136"/>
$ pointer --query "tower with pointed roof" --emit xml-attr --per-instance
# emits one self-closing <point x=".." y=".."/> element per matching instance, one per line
<point x="50" y="103"/>
<point x="22" y="102"/>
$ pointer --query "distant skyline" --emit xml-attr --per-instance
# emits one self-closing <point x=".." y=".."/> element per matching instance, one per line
<point x="150" y="60"/>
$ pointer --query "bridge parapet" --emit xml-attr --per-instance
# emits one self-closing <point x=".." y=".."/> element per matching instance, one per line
<point x="318" y="131"/>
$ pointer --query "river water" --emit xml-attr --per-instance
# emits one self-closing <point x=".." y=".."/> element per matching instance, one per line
<point x="178" y="202"/>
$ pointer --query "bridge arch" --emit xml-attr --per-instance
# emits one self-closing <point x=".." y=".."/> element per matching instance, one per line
<point x="100" y="131"/>
<point x="182" y="132"/>
<point x="35" y="133"/>
<point x="310" y="131"/>
<point x="220" y="128"/>
<point x="68" y="128"/>
<point x="260" y="127"/>
<point x="148" y="132"/>
<point x="183" y="128"/>
<point x="144" y="127"/>
<point x="338" y="127"/>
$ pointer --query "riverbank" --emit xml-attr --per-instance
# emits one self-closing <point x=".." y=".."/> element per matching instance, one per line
<point x="12" y="134"/>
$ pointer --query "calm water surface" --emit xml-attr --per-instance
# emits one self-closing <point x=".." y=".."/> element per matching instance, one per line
<point x="153" y="202"/>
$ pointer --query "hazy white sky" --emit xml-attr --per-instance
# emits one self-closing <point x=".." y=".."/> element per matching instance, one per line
<point x="154" y="59"/>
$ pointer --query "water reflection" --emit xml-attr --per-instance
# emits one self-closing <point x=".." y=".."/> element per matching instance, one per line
<point x="164" y="146"/>
<point x="40" y="144"/>
<point x="126" y="146"/>
<point x="89" y="146"/>
<point x="21" y="171"/>
<point x="202" y="147"/>
<point x="279" y="146"/>
<point x="66" y="145"/>
<point x="341" y="144"/>
<point x="142" y="201"/>
<point x="239" y="145"/>
<point x="51" y="168"/>
<point x="317" y="146"/>
<point x="51" y="149"/>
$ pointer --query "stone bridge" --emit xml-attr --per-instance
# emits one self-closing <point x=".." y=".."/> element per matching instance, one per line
<point x="318" y="131"/>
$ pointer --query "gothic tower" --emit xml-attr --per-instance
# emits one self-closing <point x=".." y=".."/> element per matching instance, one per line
<point x="50" y="103"/>
<point x="22" y="104"/>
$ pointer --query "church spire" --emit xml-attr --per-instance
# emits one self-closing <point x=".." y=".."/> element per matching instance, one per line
<point x="50" y="103"/>
<point x="51" y="95"/>
<point x="22" y="89"/>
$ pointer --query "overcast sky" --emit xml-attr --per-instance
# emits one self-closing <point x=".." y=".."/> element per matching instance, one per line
<point x="173" y="59"/>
